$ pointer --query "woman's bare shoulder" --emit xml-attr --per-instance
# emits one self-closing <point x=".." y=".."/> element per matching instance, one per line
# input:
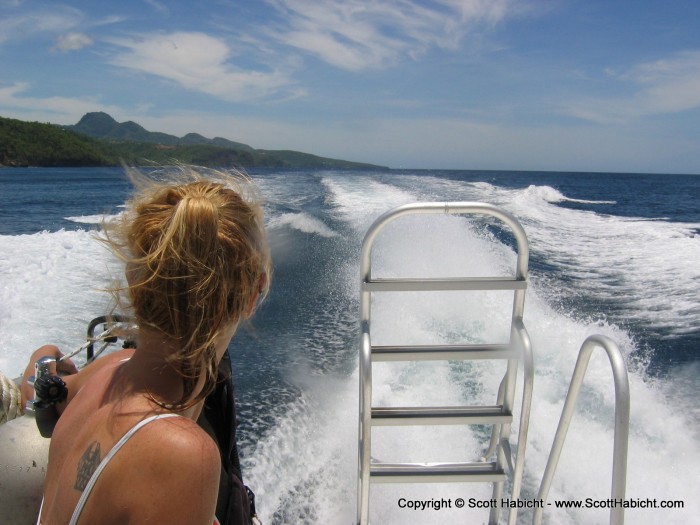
<point x="178" y="440"/>
<point x="174" y="468"/>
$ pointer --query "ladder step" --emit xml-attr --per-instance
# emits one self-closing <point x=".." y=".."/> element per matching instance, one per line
<point x="442" y="352"/>
<point x="435" y="472"/>
<point x="472" y="415"/>
<point x="445" y="284"/>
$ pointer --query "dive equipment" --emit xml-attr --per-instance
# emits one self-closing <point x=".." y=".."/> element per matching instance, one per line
<point x="49" y="389"/>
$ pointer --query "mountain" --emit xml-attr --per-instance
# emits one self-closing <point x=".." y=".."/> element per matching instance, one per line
<point x="100" y="125"/>
<point x="99" y="140"/>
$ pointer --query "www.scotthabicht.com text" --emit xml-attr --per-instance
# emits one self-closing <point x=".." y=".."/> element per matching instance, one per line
<point x="588" y="503"/>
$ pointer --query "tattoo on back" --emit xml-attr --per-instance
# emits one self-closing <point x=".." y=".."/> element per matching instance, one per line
<point x="87" y="465"/>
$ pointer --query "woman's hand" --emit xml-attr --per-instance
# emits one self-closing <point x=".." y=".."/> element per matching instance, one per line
<point x="66" y="367"/>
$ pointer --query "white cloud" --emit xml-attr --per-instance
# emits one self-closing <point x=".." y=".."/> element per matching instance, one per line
<point x="72" y="42"/>
<point x="60" y="110"/>
<point x="157" y="6"/>
<point x="673" y="84"/>
<point x="357" y="35"/>
<point x="198" y="62"/>
<point x="667" y="86"/>
<point x="58" y="20"/>
<point x="108" y="20"/>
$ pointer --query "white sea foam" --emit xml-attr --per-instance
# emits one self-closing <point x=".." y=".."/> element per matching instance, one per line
<point x="303" y="222"/>
<point x="47" y="296"/>
<point x="304" y="468"/>
<point x="93" y="219"/>
<point x="549" y="194"/>
<point x="359" y="200"/>
<point x="647" y="267"/>
<point x="652" y="264"/>
<point x="663" y="456"/>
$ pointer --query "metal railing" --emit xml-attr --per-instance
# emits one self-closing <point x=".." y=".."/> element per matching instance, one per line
<point x="500" y="415"/>
<point x="622" y="415"/>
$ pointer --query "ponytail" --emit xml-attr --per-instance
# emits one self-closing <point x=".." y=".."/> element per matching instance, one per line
<point x="196" y="255"/>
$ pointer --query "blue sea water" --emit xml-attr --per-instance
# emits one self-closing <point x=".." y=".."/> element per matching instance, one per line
<point x="610" y="253"/>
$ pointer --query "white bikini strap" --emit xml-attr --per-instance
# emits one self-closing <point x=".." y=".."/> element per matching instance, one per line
<point x="105" y="461"/>
<point x="41" y="507"/>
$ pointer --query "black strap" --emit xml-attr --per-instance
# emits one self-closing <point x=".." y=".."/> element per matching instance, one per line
<point x="235" y="506"/>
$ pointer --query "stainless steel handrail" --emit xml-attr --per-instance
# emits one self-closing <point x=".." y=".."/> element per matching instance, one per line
<point x="447" y="208"/>
<point x="518" y="284"/>
<point x="622" y="416"/>
<point x="526" y="404"/>
<point x="365" y="434"/>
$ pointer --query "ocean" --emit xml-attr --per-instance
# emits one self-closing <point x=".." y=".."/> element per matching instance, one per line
<point x="616" y="254"/>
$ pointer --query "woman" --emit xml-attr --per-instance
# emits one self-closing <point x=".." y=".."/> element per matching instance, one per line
<point x="196" y="264"/>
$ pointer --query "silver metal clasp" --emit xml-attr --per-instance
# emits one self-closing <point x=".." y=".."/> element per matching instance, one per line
<point x="45" y="366"/>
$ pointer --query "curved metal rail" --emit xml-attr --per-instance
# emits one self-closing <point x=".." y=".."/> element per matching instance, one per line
<point x="622" y="416"/>
<point x="519" y="341"/>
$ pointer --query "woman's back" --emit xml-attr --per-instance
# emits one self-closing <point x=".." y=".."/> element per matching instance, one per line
<point x="167" y="472"/>
<point x="196" y="263"/>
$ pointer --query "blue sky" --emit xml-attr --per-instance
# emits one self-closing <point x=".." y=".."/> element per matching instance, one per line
<point x="576" y="85"/>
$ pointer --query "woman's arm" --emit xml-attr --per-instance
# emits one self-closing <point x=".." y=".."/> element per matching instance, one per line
<point x="74" y="379"/>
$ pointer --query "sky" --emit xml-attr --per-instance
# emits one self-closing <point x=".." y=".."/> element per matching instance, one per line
<point x="555" y="85"/>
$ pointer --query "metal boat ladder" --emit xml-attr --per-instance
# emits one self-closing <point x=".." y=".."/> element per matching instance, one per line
<point x="501" y="458"/>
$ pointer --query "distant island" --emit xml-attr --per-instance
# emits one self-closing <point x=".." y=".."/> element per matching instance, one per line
<point x="99" y="140"/>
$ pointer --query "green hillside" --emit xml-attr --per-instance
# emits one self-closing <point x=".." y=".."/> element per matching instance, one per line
<point x="99" y="140"/>
<point x="35" y="144"/>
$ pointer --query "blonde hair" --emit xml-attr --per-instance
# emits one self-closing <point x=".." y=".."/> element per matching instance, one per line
<point x="196" y="253"/>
